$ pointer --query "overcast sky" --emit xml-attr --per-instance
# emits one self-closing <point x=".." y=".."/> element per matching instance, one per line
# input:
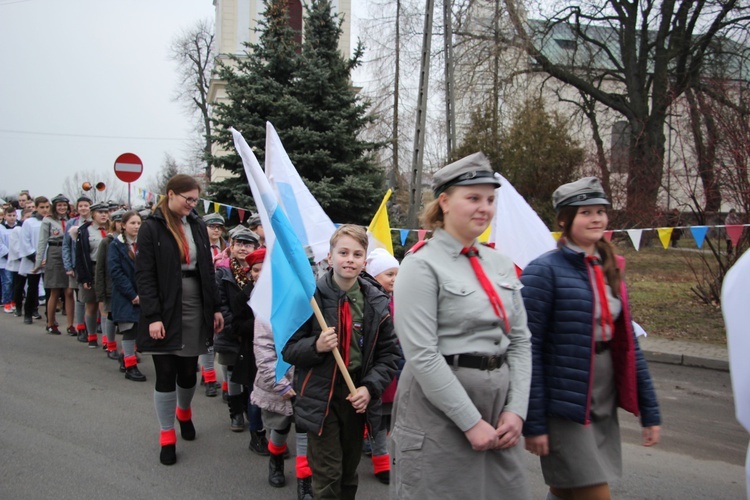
<point x="84" y="81"/>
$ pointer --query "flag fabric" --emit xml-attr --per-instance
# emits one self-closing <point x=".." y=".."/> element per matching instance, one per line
<point x="282" y="294"/>
<point x="635" y="237"/>
<point x="734" y="293"/>
<point x="379" y="230"/>
<point x="699" y="234"/>
<point x="311" y="224"/>
<point x="517" y="231"/>
<point x="665" y="235"/>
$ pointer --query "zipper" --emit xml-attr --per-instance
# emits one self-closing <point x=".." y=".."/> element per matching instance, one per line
<point x="587" y="414"/>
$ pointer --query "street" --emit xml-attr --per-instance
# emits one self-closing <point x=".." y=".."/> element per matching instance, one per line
<point x="71" y="426"/>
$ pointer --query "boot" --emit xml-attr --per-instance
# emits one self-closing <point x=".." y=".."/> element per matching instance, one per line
<point x="237" y="419"/>
<point x="259" y="443"/>
<point x="168" y="453"/>
<point x="211" y="389"/>
<point x="27" y="320"/>
<point x="304" y="489"/>
<point x="185" y="419"/>
<point x="134" y="374"/>
<point x="122" y="362"/>
<point x="276" y="471"/>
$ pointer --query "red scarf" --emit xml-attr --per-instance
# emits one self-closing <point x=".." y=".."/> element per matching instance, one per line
<point x="345" y="330"/>
<point x="489" y="289"/>
<point x="601" y="290"/>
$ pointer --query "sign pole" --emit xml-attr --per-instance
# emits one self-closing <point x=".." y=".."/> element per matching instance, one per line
<point x="130" y="207"/>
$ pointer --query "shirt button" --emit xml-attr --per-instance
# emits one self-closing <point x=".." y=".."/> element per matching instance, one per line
<point x="463" y="290"/>
<point x="497" y="342"/>
<point x="354" y="300"/>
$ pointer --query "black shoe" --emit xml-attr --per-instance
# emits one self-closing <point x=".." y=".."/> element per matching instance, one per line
<point x="259" y="443"/>
<point x="113" y="355"/>
<point x="276" y="471"/>
<point x="210" y="389"/>
<point x="237" y="419"/>
<point x="237" y="423"/>
<point x="384" y="476"/>
<point x="93" y="344"/>
<point x="27" y="320"/>
<point x="18" y="312"/>
<point x="187" y="429"/>
<point x="72" y="331"/>
<point x="35" y="314"/>
<point x="304" y="489"/>
<point x="52" y="330"/>
<point x="83" y="336"/>
<point x="168" y="455"/>
<point x="122" y="363"/>
<point x="134" y="374"/>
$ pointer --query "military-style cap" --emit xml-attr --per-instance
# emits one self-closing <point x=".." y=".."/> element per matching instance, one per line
<point x="473" y="169"/>
<point x="102" y="206"/>
<point x="112" y="205"/>
<point x="214" y="218"/>
<point x="117" y="215"/>
<point x="84" y="198"/>
<point x="244" y="234"/>
<point x="253" y="221"/>
<point x="60" y="198"/>
<point x="586" y="191"/>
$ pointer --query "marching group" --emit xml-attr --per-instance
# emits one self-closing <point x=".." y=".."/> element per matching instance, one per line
<point x="453" y="356"/>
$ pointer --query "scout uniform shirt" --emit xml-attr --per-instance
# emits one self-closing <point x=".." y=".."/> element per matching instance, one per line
<point x="52" y="231"/>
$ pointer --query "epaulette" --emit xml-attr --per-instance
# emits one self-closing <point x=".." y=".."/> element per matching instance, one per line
<point x="417" y="246"/>
<point x="489" y="244"/>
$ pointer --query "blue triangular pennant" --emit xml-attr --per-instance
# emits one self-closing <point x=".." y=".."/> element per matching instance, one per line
<point x="404" y="235"/>
<point x="229" y="212"/>
<point x="699" y="234"/>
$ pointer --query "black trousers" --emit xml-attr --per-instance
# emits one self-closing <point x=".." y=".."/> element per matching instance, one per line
<point x="32" y="292"/>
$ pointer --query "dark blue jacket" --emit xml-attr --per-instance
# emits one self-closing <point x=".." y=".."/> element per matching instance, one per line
<point x="559" y="301"/>
<point x="122" y="273"/>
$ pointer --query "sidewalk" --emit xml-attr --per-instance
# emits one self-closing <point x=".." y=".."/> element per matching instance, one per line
<point x="680" y="352"/>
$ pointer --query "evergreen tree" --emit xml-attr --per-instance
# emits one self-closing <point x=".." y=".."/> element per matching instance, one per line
<point x="258" y="86"/>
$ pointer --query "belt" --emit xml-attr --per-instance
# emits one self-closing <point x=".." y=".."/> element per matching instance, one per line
<point x="55" y="243"/>
<point x="190" y="273"/>
<point x="600" y="347"/>
<point x="488" y="363"/>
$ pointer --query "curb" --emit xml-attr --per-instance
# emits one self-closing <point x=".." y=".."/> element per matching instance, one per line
<point x="686" y="360"/>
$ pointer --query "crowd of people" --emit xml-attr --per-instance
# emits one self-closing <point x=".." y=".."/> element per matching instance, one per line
<point x="447" y="361"/>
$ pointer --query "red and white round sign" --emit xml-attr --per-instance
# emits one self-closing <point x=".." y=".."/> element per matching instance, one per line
<point x="128" y="167"/>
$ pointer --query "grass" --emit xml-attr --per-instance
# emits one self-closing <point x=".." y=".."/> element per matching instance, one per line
<point x="661" y="301"/>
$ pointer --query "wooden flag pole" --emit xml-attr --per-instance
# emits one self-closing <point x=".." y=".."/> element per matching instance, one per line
<point x="336" y="353"/>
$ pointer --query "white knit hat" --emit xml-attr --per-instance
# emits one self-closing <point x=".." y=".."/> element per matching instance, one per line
<point x="380" y="261"/>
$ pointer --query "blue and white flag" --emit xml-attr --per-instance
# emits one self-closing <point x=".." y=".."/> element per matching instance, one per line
<point x="282" y="294"/>
<point x="310" y="222"/>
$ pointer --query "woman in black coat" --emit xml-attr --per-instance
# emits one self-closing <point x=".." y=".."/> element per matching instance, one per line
<point x="180" y="306"/>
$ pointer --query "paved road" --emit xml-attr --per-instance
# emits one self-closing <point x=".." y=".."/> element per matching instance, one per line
<point x="72" y="427"/>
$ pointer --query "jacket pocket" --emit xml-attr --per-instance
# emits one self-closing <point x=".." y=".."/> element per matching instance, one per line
<point x="510" y="292"/>
<point x="406" y="449"/>
<point x="459" y="299"/>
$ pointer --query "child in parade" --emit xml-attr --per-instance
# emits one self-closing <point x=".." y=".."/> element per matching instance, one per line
<point x="103" y="285"/>
<point x="89" y="236"/>
<point x="463" y="392"/>
<point x="215" y="227"/>
<point x="14" y="262"/>
<point x="33" y="275"/>
<point x="333" y="418"/>
<point x="83" y="211"/>
<point x="232" y="279"/>
<point x="49" y="257"/>
<point x="586" y="358"/>
<point x="125" y="300"/>
<point x="9" y="223"/>
<point x="180" y="305"/>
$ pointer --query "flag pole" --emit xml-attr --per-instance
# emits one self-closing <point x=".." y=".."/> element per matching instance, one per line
<point x="336" y="354"/>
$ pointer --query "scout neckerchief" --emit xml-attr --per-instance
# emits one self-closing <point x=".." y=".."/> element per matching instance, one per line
<point x="606" y="315"/>
<point x="345" y="327"/>
<point x="489" y="289"/>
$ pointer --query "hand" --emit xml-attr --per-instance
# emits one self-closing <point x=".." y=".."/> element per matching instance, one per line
<point x="44" y="262"/>
<point x="136" y="301"/>
<point x="538" y="445"/>
<point x="651" y="435"/>
<point x="509" y="427"/>
<point x="360" y="399"/>
<point x="156" y="330"/>
<point x="482" y="436"/>
<point x="87" y="286"/>
<point x="218" y="322"/>
<point x="73" y="232"/>
<point x="72" y="274"/>
<point x="288" y="394"/>
<point x="328" y="341"/>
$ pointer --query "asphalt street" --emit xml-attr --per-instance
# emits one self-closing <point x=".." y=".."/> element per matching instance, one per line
<point x="71" y="426"/>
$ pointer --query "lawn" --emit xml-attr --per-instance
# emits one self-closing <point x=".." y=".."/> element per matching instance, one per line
<point x="659" y="283"/>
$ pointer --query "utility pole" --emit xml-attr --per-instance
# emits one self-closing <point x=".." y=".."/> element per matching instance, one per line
<point x="415" y="189"/>
<point x="450" y="99"/>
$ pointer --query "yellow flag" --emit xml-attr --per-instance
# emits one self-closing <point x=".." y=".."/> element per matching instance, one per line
<point x="216" y="207"/>
<point x="485" y="236"/>
<point x="556" y="235"/>
<point x="379" y="230"/>
<point x="665" y="235"/>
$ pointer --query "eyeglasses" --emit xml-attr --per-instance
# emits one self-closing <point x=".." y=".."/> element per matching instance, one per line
<point x="212" y="226"/>
<point x="244" y="244"/>
<point x="190" y="200"/>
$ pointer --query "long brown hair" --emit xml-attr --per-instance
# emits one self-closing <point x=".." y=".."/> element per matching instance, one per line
<point x="432" y="216"/>
<point x="609" y="263"/>
<point x="180" y="183"/>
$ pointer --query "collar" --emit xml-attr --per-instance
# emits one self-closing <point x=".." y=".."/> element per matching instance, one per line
<point x="451" y="244"/>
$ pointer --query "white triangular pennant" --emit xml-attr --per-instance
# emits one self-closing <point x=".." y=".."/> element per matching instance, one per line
<point x="635" y="237"/>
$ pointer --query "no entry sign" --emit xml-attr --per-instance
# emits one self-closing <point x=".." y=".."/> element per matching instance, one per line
<point x="128" y="167"/>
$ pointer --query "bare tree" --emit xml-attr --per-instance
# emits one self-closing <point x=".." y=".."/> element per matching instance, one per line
<point x="169" y="168"/>
<point x="193" y="51"/>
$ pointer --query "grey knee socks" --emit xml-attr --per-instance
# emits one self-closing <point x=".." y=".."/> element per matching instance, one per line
<point x="166" y="405"/>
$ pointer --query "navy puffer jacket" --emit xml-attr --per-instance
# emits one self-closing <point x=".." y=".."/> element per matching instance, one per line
<point x="559" y="301"/>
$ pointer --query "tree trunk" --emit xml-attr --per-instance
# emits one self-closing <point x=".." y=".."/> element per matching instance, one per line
<point x="645" y="170"/>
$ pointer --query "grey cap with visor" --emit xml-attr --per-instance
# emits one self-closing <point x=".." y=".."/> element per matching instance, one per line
<point x="473" y="169"/>
<point x="586" y="191"/>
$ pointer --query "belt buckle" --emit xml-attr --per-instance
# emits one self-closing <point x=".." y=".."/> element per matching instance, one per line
<point x="491" y="363"/>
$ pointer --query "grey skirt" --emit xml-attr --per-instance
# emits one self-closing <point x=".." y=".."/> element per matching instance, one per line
<point x="194" y="335"/>
<point x="54" y="270"/>
<point x="432" y="457"/>
<point x="587" y="455"/>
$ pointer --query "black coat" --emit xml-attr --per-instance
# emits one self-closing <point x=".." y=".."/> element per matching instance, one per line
<point x="243" y="328"/>
<point x="313" y="371"/>
<point x="158" y="277"/>
<point x="227" y="342"/>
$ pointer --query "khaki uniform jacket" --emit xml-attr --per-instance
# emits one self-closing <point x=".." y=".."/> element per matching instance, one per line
<point x="51" y="231"/>
<point x="441" y="309"/>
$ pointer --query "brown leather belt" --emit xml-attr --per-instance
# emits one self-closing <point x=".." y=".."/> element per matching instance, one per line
<point x="488" y="363"/>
